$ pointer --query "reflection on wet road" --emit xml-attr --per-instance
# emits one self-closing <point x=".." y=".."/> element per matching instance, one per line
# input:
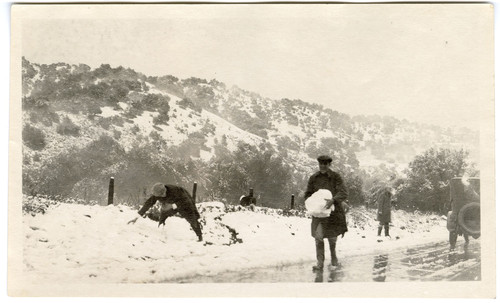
<point x="430" y="262"/>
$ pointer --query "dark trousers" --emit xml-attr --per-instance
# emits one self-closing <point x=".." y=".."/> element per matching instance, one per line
<point x="385" y="225"/>
<point x="320" y="251"/>
<point x="195" y="225"/>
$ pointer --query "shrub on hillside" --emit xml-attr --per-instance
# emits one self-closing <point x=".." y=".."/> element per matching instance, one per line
<point x="354" y="184"/>
<point x="37" y="157"/>
<point x="208" y="128"/>
<point x="67" y="127"/>
<point x="168" y="83"/>
<point x="285" y="143"/>
<point x="190" y="147"/>
<point x="106" y="122"/>
<point x="26" y="159"/>
<point x="233" y="173"/>
<point x="134" y="129"/>
<point x="92" y="107"/>
<point x="141" y="167"/>
<point x="33" y="137"/>
<point x="60" y="173"/>
<point x="47" y="118"/>
<point x="152" y="102"/>
<point x="187" y="103"/>
<point x="133" y="111"/>
<point x="162" y="117"/>
<point x="40" y="111"/>
<point x="90" y="189"/>
<point x="117" y="134"/>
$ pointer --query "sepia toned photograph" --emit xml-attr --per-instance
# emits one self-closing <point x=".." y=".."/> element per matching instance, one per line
<point x="252" y="150"/>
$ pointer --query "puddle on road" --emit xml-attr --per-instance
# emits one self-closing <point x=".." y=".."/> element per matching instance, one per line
<point x="431" y="262"/>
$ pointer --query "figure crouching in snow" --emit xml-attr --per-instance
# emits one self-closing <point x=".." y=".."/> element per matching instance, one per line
<point x="173" y="200"/>
<point x="335" y="224"/>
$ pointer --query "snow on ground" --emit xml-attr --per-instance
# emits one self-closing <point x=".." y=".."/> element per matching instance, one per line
<point x="283" y="127"/>
<point x="109" y="111"/>
<point x="145" y="121"/>
<point x="91" y="243"/>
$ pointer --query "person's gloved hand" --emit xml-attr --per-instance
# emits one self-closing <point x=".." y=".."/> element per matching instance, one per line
<point x="329" y="203"/>
<point x="168" y="206"/>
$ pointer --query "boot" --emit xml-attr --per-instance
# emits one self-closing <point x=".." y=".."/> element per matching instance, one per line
<point x="466" y="244"/>
<point x="195" y="225"/>
<point x="333" y="253"/>
<point x="386" y="230"/>
<point x="453" y="240"/>
<point x="320" y="255"/>
<point x="379" y="232"/>
<point x="199" y="234"/>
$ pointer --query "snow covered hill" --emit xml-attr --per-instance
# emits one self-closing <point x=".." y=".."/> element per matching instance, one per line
<point x="66" y="242"/>
<point x="210" y="111"/>
<point x="82" y="126"/>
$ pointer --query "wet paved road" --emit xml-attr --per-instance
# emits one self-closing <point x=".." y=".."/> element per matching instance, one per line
<point x="430" y="262"/>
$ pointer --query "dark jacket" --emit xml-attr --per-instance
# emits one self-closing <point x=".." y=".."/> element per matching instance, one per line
<point x="335" y="224"/>
<point x="384" y="206"/>
<point x="175" y="194"/>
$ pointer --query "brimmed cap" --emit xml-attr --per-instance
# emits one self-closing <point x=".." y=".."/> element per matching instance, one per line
<point x="159" y="190"/>
<point x="324" y="158"/>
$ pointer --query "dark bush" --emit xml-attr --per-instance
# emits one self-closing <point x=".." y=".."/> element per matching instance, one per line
<point x="33" y="137"/>
<point x="117" y="134"/>
<point x="106" y="122"/>
<point x="162" y="117"/>
<point x="187" y="103"/>
<point x="61" y="172"/>
<point x="67" y="127"/>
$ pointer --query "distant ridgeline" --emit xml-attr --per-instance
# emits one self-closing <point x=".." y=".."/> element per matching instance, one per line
<point x="83" y="125"/>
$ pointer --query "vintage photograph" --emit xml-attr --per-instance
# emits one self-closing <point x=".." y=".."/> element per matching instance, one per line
<point x="315" y="150"/>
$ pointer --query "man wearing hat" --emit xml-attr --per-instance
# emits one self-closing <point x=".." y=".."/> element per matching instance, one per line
<point x="173" y="200"/>
<point x="334" y="225"/>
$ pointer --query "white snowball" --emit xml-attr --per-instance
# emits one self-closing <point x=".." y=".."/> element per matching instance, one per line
<point x="315" y="204"/>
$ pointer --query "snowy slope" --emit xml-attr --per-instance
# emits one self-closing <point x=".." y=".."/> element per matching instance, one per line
<point x="237" y="114"/>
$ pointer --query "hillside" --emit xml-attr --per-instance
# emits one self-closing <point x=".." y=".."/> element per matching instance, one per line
<point x="119" y="121"/>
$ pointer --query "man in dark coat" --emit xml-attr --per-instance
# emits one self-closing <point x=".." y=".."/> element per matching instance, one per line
<point x="173" y="199"/>
<point x="384" y="210"/>
<point x="334" y="225"/>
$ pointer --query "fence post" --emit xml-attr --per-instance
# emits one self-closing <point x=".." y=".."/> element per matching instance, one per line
<point x="194" y="191"/>
<point x="292" y="202"/>
<point x="111" y="190"/>
<point x="251" y="193"/>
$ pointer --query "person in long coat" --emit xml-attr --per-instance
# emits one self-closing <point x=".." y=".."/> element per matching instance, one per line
<point x="173" y="199"/>
<point x="384" y="210"/>
<point x="334" y="225"/>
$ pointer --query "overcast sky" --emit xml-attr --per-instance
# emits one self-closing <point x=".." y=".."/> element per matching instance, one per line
<point x="426" y="63"/>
